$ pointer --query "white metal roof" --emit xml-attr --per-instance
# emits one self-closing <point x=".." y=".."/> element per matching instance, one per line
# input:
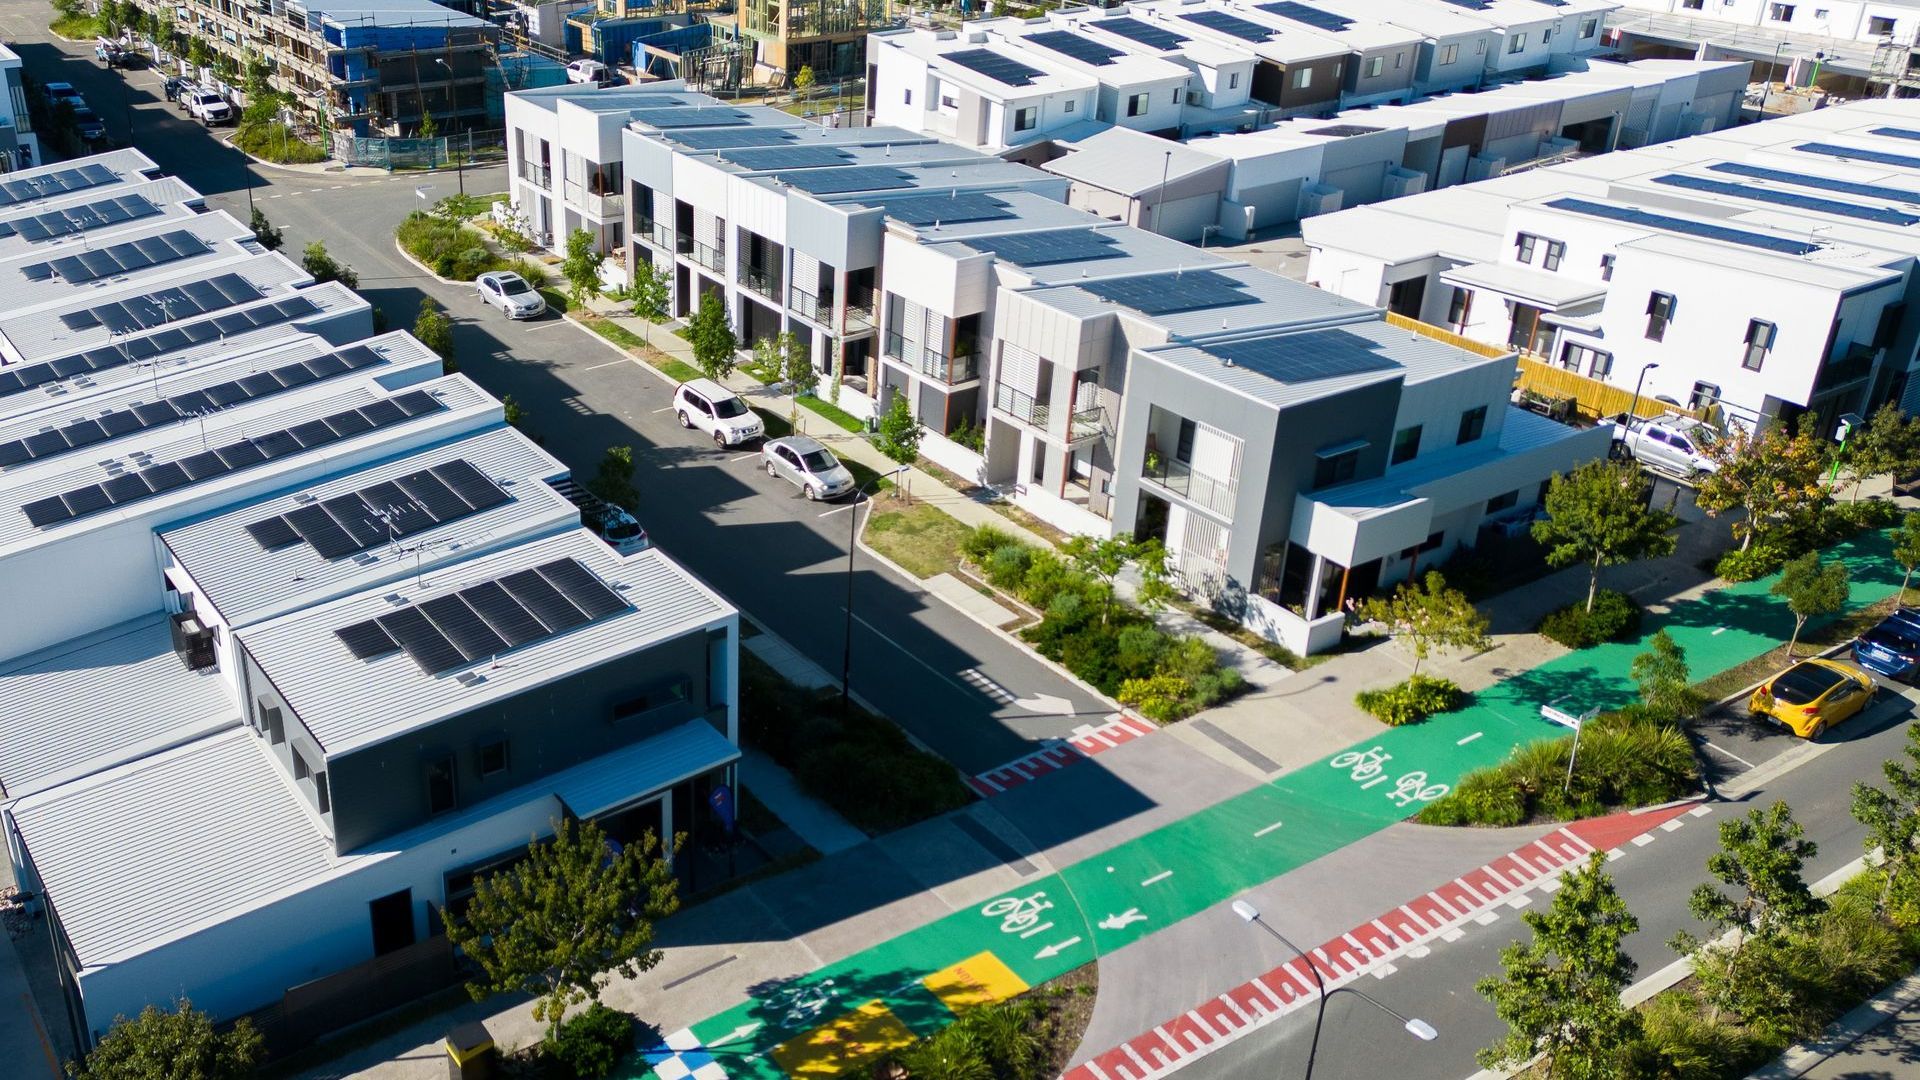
<point x="1277" y="302"/>
<point x="1539" y="287"/>
<point x="246" y="583"/>
<point x="1410" y="357"/>
<point x="226" y="241"/>
<point x="1130" y="162"/>
<point x="348" y="703"/>
<point x="127" y="164"/>
<point x="167" y="195"/>
<point x="101" y="700"/>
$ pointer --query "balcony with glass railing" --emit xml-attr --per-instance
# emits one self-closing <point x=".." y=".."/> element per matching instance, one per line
<point x="610" y="205"/>
<point x="1021" y="406"/>
<point x="1088" y="422"/>
<point x="1178" y="477"/>
<point x="537" y="174"/>
<point x="714" y="259"/>
<point x="760" y="280"/>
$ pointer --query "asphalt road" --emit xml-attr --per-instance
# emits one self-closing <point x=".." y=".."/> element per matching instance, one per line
<point x="1361" y="1044"/>
<point x="779" y="558"/>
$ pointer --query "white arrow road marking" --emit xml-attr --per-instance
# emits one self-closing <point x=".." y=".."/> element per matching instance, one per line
<point x="1056" y="949"/>
<point x="736" y="1034"/>
<point x="1123" y="920"/>
<point x="1046" y="704"/>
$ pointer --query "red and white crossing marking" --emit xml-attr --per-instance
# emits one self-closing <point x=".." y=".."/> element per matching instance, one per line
<point x="1438" y="914"/>
<point x="1086" y="741"/>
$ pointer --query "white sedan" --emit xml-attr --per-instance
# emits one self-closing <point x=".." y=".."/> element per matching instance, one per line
<point x="510" y="293"/>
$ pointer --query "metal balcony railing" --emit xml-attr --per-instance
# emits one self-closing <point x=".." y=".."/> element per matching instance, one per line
<point x="764" y="282"/>
<point x="950" y="370"/>
<point x="1088" y="423"/>
<point x="539" y="174"/>
<point x="817" y="308"/>
<point x="654" y="233"/>
<point x="859" y="316"/>
<point x="1021" y="406"/>
<point x="714" y="259"/>
<point x="1179" y="478"/>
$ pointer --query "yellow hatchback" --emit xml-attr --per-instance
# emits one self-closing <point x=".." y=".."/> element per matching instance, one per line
<point x="1813" y="696"/>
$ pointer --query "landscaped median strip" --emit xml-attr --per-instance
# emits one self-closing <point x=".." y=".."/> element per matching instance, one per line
<point x="860" y="1008"/>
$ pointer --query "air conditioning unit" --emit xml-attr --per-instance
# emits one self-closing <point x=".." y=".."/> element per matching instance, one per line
<point x="193" y="641"/>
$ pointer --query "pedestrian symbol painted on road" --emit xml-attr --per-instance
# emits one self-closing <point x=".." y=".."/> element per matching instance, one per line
<point x="1123" y="920"/>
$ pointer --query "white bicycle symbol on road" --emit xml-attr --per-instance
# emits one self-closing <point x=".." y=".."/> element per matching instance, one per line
<point x="1368" y="769"/>
<point x="1365" y="764"/>
<point x="1017" y="913"/>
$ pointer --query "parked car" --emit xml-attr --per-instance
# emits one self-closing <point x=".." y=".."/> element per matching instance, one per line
<point x="801" y="460"/>
<point x="88" y="124"/>
<point x="1893" y="647"/>
<point x="1671" y="443"/>
<point x="1813" y="695"/>
<point x="589" y="71"/>
<point x="62" y="91"/>
<point x="510" y="293"/>
<point x="172" y="86"/>
<point x="716" y="410"/>
<point x="609" y="522"/>
<point x="208" y="107"/>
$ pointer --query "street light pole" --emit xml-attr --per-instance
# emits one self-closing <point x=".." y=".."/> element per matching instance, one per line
<point x="853" y="545"/>
<point x="1419" y="1029"/>
<point x="1768" y="85"/>
<point x="1633" y="411"/>
<point x="459" y="166"/>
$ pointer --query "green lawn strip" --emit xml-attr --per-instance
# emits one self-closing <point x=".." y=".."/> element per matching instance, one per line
<point x="1214" y="853"/>
<point x="834" y="413"/>
<point x="921" y="538"/>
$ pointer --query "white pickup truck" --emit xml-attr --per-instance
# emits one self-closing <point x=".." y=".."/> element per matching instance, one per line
<point x="207" y="107"/>
<point x="1671" y="443"/>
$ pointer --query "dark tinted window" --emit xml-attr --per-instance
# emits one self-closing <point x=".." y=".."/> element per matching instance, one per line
<point x="1805" y="683"/>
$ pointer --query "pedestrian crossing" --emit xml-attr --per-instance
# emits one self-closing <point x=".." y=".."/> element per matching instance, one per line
<point x="1086" y="741"/>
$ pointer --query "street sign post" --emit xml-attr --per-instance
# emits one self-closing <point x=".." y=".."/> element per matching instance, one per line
<point x="1552" y="711"/>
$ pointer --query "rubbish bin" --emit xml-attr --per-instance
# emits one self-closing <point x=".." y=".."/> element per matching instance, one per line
<point x="470" y="1053"/>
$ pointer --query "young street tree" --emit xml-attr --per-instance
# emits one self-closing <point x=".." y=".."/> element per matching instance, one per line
<point x="711" y="333"/>
<point x="1771" y="476"/>
<point x="1598" y="515"/>
<point x="1906" y="549"/>
<point x="556" y="925"/>
<point x="783" y="360"/>
<point x="435" y="331"/>
<point x="1427" y="616"/>
<point x="648" y="295"/>
<point x="1560" y="992"/>
<point x="1760" y="859"/>
<point x="316" y="261"/>
<point x="900" y="432"/>
<point x="1662" y="676"/>
<point x="263" y="231"/>
<point x="1103" y="559"/>
<point x="162" y="1045"/>
<point x="582" y="266"/>
<point x="1892" y="817"/>
<point x="1888" y="443"/>
<point x="614" y="480"/>
<point x="1811" y="588"/>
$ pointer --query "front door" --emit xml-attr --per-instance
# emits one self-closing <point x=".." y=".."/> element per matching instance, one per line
<point x="392" y="918"/>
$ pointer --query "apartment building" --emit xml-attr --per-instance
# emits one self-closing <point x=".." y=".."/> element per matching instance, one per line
<point x="300" y="619"/>
<point x="1852" y="48"/>
<point x="19" y="147"/>
<point x="377" y="67"/>
<point x="1763" y="272"/>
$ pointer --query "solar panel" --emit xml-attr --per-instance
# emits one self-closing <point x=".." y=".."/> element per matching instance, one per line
<point x="320" y="531"/>
<point x="175" y="305"/>
<point x="584" y="588"/>
<point x="123" y="258"/>
<point x="165" y="476"/>
<point x="36" y="228"/>
<point x="1153" y="37"/>
<point x="1878" y="157"/>
<point x="428" y="647"/>
<point x="272" y="533"/>
<point x="1824" y="183"/>
<point x="367" y="640"/>
<point x="86" y="500"/>
<point x="787" y="157"/>
<point x="1896" y="133"/>
<point x="694" y="117"/>
<point x="458" y="623"/>
<point x="1232" y="25"/>
<point x="1001" y="69"/>
<point x="473" y="486"/>
<point x="1306" y="357"/>
<point x="44" y="512"/>
<point x="543" y="601"/>
<point x="715" y="139"/>
<point x="1686" y="226"/>
<point x="838" y="181"/>
<point x="1471" y="5"/>
<point x="1311" y="16"/>
<point x="503" y="613"/>
<point x="948" y="209"/>
<point x="1788" y="198"/>
<point x="390" y="510"/>
<point x="1343" y="131"/>
<point x="1165" y="294"/>
<point x="438" y="499"/>
<point x="1084" y="49"/>
<point x="202" y="465"/>
<point x="1047" y="248"/>
<point x="54" y="183"/>
<point x="126" y="488"/>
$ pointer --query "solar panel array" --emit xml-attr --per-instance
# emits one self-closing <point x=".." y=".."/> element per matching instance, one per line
<point x="697" y="117"/>
<point x="714" y="140"/>
<point x="79" y="219"/>
<point x="55" y="183"/>
<point x="1153" y="37"/>
<point x="1343" y="131"/>
<point x="1166" y="294"/>
<point x="487" y="619"/>
<point x="1312" y="16"/>
<point x="133" y="350"/>
<point x="1788" y="198"/>
<point x="384" y="512"/>
<point x="1471" y="5"/>
<point x="1080" y="48"/>
<point x="120" y="258"/>
<point x="921" y="210"/>
<point x="1046" y="248"/>
<point x="787" y="157"/>
<point x="1306" y="357"/>
<point x="169" y="410"/>
<point x="1824" y="183"/>
<point x="840" y="181"/>
<point x="1232" y="25"/>
<point x="1878" y="157"/>
<point x="1896" y="133"/>
<point x="169" y="305"/>
<point x="1000" y="69"/>
<point x="133" y="486"/>
<point x="1686" y="226"/>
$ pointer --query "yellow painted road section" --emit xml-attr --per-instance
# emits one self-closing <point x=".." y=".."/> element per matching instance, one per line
<point x="980" y="979"/>
<point x="859" y="1037"/>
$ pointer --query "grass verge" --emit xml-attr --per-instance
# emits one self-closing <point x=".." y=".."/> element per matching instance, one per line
<point x="924" y="540"/>
<point x="78" y="27"/>
<point x="1813" y="640"/>
<point x="840" y="417"/>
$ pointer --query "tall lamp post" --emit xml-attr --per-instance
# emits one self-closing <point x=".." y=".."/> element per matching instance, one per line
<point x="1419" y="1029"/>
<point x="459" y="166"/>
<point x="853" y="545"/>
<point x="1633" y="410"/>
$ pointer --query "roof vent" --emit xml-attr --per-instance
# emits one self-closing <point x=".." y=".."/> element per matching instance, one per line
<point x="1226" y="361"/>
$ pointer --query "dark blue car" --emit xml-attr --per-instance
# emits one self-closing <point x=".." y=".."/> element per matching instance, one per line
<point x="1893" y="647"/>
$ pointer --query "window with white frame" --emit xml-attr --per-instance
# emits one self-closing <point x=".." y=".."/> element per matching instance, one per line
<point x="1759" y="342"/>
<point x="1780" y="12"/>
<point x="1375" y="65"/>
<point x="1026" y="119"/>
<point x="1589" y="26"/>
<point x="1584" y="358"/>
<point x="906" y="96"/>
<point x="1516" y="43"/>
<point x="1302" y="78"/>
<point x="1070" y="104"/>
<point x="1137" y="105"/>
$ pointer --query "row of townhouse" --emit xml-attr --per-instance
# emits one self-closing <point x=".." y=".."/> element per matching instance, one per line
<point x="1765" y="271"/>
<point x="19" y="147"/>
<point x="1294" y="450"/>
<point x="302" y="635"/>
<point x="1185" y="67"/>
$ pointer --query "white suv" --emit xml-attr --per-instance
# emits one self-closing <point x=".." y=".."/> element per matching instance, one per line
<point x="716" y="410"/>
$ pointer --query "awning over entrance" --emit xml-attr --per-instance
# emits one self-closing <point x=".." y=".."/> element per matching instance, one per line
<point x="1544" y="290"/>
<point x="622" y="776"/>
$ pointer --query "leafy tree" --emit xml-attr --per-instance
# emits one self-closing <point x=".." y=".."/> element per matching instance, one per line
<point x="1560" y="992"/>
<point x="1156" y="586"/>
<point x="514" y="412"/>
<point x="582" y="267"/>
<point x="803" y="82"/>
<point x="428" y="129"/>
<point x="1103" y="559"/>
<point x="322" y="266"/>
<point x="556" y="925"/>
<point x="199" y="54"/>
<point x="435" y="331"/>
<point x="648" y="295"/>
<point x="710" y="332"/>
<point x="178" y="1045"/>
<point x="1811" y="588"/>
<point x="264" y="231"/>
<point x="1772" y="476"/>
<point x="1598" y="515"/>
<point x="1892" y="818"/>
<point x="1906" y="549"/>
<point x="900" y="432"/>
<point x="1760" y="859"/>
<point x="253" y="79"/>
<point x="1429" y="616"/>
<point x="1889" y="442"/>
<point x="1661" y="674"/>
<point x="614" y="481"/>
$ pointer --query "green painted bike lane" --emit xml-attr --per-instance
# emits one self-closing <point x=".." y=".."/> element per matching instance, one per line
<point x="1053" y="924"/>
